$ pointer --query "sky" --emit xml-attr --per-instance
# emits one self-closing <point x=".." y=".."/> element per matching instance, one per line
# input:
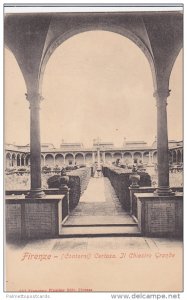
<point x="96" y="84"/>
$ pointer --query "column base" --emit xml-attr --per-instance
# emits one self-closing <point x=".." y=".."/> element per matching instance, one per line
<point x="164" y="191"/>
<point x="35" y="193"/>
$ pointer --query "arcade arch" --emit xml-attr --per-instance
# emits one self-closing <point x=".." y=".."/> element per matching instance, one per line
<point x="127" y="157"/>
<point x="59" y="160"/>
<point x="79" y="159"/>
<point x="49" y="160"/>
<point x="69" y="159"/>
<point x="88" y="158"/>
<point x="8" y="160"/>
<point x="108" y="158"/>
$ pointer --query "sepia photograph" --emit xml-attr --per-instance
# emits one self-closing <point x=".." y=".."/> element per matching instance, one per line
<point x="93" y="148"/>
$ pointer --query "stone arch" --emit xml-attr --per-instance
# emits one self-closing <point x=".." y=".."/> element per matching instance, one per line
<point x="98" y="27"/>
<point x="127" y="157"/>
<point x="179" y="160"/>
<point x="117" y="155"/>
<point x="146" y="157"/>
<point x="174" y="59"/>
<point x="137" y="156"/>
<point x="108" y="157"/>
<point x="14" y="160"/>
<point x="69" y="159"/>
<point x="49" y="160"/>
<point x="79" y="158"/>
<point x="174" y="156"/>
<point x="8" y="159"/>
<point x="23" y="160"/>
<point x="17" y="62"/>
<point x="27" y="160"/>
<point x="18" y="160"/>
<point x="59" y="159"/>
<point x="88" y="158"/>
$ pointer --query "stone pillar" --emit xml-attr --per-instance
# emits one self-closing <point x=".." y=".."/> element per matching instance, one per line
<point x="149" y="158"/>
<point x="93" y="157"/>
<point x="132" y="157"/>
<point x="98" y="158"/>
<point x="35" y="147"/>
<point x="162" y="143"/>
<point x="44" y="160"/>
<point x="84" y="159"/>
<point x="19" y="160"/>
<point x="103" y="158"/>
<point x="142" y="156"/>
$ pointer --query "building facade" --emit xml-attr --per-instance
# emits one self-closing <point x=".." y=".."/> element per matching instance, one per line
<point x="76" y="154"/>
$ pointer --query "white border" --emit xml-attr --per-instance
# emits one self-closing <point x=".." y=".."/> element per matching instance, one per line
<point x="52" y="9"/>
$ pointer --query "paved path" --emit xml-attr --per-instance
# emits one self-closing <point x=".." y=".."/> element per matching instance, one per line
<point x="99" y="205"/>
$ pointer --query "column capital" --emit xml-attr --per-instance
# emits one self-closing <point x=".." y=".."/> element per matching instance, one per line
<point x="161" y="96"/>
<point x="34" y="99"/>
<point x="161" y="93"/>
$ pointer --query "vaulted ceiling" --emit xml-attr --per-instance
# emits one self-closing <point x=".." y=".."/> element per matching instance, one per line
<point x="32" y="38"/>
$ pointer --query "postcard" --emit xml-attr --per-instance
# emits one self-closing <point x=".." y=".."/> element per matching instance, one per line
<point x="93" y="120"/>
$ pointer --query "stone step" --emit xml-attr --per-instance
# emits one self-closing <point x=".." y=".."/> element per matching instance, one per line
<point x="124" y="219"/>
<point x="99" y="231"/>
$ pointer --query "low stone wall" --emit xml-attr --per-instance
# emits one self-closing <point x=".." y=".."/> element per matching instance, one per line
<point x="160" y="216"/>
<point x="120" y="181"/>
<point x="33" y="218"/>
<point x="133" y="199"/>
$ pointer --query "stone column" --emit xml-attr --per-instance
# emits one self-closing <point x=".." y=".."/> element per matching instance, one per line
<point x="84" y="159"/>
<point x="19" y="160"/>
<point x="98" y="158"/>
<point x="122" y="158"/>
<point x="103" y="155"/>
<point x="149" y="162"/>
<point x="44" y="160"/>
<point x="35" y="147"/>
<point x="132" y="157"/>
<point x="162" y="143"/>
<point x="93" y="157"/>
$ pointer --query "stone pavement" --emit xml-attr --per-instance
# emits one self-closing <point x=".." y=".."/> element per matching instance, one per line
<point x="99" y="205"/>
<point x="99" y="213"/>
